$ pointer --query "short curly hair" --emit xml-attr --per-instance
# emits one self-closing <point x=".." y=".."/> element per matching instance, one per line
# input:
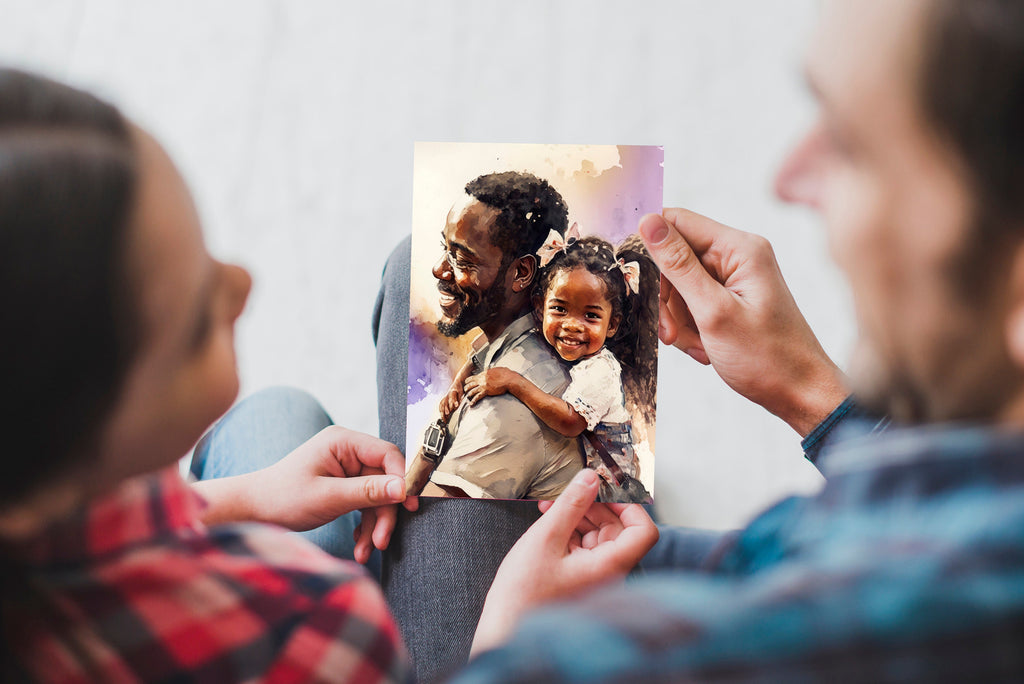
<point x="530" y="208"/>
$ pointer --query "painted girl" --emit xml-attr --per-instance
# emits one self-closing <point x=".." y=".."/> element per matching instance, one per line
<point x="597" y="308"/>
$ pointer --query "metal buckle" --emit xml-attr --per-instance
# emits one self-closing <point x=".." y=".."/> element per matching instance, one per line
<point x="434" y="440"/>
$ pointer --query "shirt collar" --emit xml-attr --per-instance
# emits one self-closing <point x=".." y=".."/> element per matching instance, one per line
<point x="510" y="336"/>
<point x="139" y="510"/>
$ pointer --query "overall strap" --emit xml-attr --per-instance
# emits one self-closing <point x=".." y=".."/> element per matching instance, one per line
<point x="620" y="477"/>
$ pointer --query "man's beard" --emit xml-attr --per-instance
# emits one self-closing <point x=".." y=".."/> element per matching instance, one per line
<point x="882" y="388"/>
<point x="967" y="376"/>
<point x="473" y="313"/>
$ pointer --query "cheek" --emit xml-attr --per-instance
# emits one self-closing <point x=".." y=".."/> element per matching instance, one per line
<point x="854" y="210"/>
<point x="866" y="241"/>
<point x="206" y="387"/>
<point x="549" y="328"/>
<point x="219" y="375"/>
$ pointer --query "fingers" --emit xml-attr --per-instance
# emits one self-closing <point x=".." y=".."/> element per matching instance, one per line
<point x="638" y="535"/>
<point x="353" y="450"/>
<point x="676" y="325"/>
<point x="668" y="330"/>
<point x="446" y="408"/>
<point x="385" y="525"/>
<point x="699" y="355"/>
<point x="633" y="515"/>
<point x="600" y="515"/>
<point x="698" y="230"/>
<point x="364" y="536"/>
<point x="365" y="491"/>
<point x="565" y="514"/>
<point x="678" y="261"/>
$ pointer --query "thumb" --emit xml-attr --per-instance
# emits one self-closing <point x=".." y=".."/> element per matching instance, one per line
<point x="680" y="264"/>
<point x="364" y="491"/>
<point x="571" y="505"/>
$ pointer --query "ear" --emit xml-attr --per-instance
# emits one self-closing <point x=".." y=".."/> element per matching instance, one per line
<point x="524" y="270"/>
<point x="613" y="325"/>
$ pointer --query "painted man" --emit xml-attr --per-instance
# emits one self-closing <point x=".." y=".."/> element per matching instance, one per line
<point x="497" y="447"/>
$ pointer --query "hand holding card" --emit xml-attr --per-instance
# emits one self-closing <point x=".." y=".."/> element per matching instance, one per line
<point x="577" y="545"/>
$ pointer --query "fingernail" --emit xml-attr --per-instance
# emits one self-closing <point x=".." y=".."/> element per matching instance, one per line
<point x="654" y="229"/>
<point x="396" y="489"/>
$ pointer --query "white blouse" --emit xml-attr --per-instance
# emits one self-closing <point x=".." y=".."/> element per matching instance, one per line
<point x="595" y="389"/>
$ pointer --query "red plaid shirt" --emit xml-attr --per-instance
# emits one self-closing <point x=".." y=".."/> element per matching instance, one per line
<point x="134" y="588"/>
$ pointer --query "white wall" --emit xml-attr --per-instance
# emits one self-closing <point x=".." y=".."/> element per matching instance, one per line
<point x="293" y="120"/>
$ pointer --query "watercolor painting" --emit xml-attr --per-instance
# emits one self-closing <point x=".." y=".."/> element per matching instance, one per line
<point x="533" y="320"/>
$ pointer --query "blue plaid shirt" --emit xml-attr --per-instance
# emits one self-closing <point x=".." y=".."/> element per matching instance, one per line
<point x="908" y="565"/>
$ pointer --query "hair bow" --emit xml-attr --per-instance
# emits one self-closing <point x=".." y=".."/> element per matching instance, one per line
<point x="630" y="274"/>
<point x="555" y="243"/>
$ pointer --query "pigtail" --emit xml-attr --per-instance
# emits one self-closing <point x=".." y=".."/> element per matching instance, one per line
<point x="635" y="344"/>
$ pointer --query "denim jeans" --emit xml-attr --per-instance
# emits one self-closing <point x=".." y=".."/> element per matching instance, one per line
<point x="442" y="558"/>
<point x="256" y="433"/>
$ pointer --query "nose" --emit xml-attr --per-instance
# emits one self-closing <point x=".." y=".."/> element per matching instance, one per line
<point x="799" y="179"/>
<point x="442" y="270"/>
<point x="572" y="323"/>
<point x="240" y="285"/>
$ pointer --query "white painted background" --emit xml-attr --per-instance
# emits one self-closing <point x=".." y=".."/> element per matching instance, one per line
<point x="294" y="122"/>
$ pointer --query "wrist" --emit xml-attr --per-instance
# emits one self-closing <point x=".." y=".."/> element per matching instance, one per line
<point x="812" y="396"/>
<point x="228" y="499"/>
<point x="494" y="626"/>
<point x="513" y="383"/>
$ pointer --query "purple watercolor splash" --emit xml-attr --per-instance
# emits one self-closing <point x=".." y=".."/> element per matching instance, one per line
<point x="428" y="362"/>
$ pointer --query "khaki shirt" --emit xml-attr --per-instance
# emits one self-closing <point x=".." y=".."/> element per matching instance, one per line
<point x="499" y="448"/>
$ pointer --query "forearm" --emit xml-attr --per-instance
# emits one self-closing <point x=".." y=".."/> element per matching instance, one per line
<point x="463" y="374"/>
<point x="554" y="411"/>
<point x="418" y="473"/>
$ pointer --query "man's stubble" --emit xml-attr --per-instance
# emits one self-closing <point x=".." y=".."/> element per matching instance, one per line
<point x="471" y="315"/>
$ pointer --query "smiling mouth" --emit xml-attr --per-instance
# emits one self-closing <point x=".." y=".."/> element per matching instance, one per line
<point x="448" y="300"/>
<point x="570" y="343"/>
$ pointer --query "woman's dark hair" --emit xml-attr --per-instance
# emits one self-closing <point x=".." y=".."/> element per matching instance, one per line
<point x="67" y="187"/>
<point x="68" y="182"/>
<point x="635" y="343"/>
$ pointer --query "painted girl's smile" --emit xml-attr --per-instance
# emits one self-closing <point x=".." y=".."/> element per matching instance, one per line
<point x="576" y="315"/>
<point x="569" y="347"/>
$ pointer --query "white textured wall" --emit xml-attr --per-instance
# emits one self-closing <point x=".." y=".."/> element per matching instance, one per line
<point x="293" y="120"/>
